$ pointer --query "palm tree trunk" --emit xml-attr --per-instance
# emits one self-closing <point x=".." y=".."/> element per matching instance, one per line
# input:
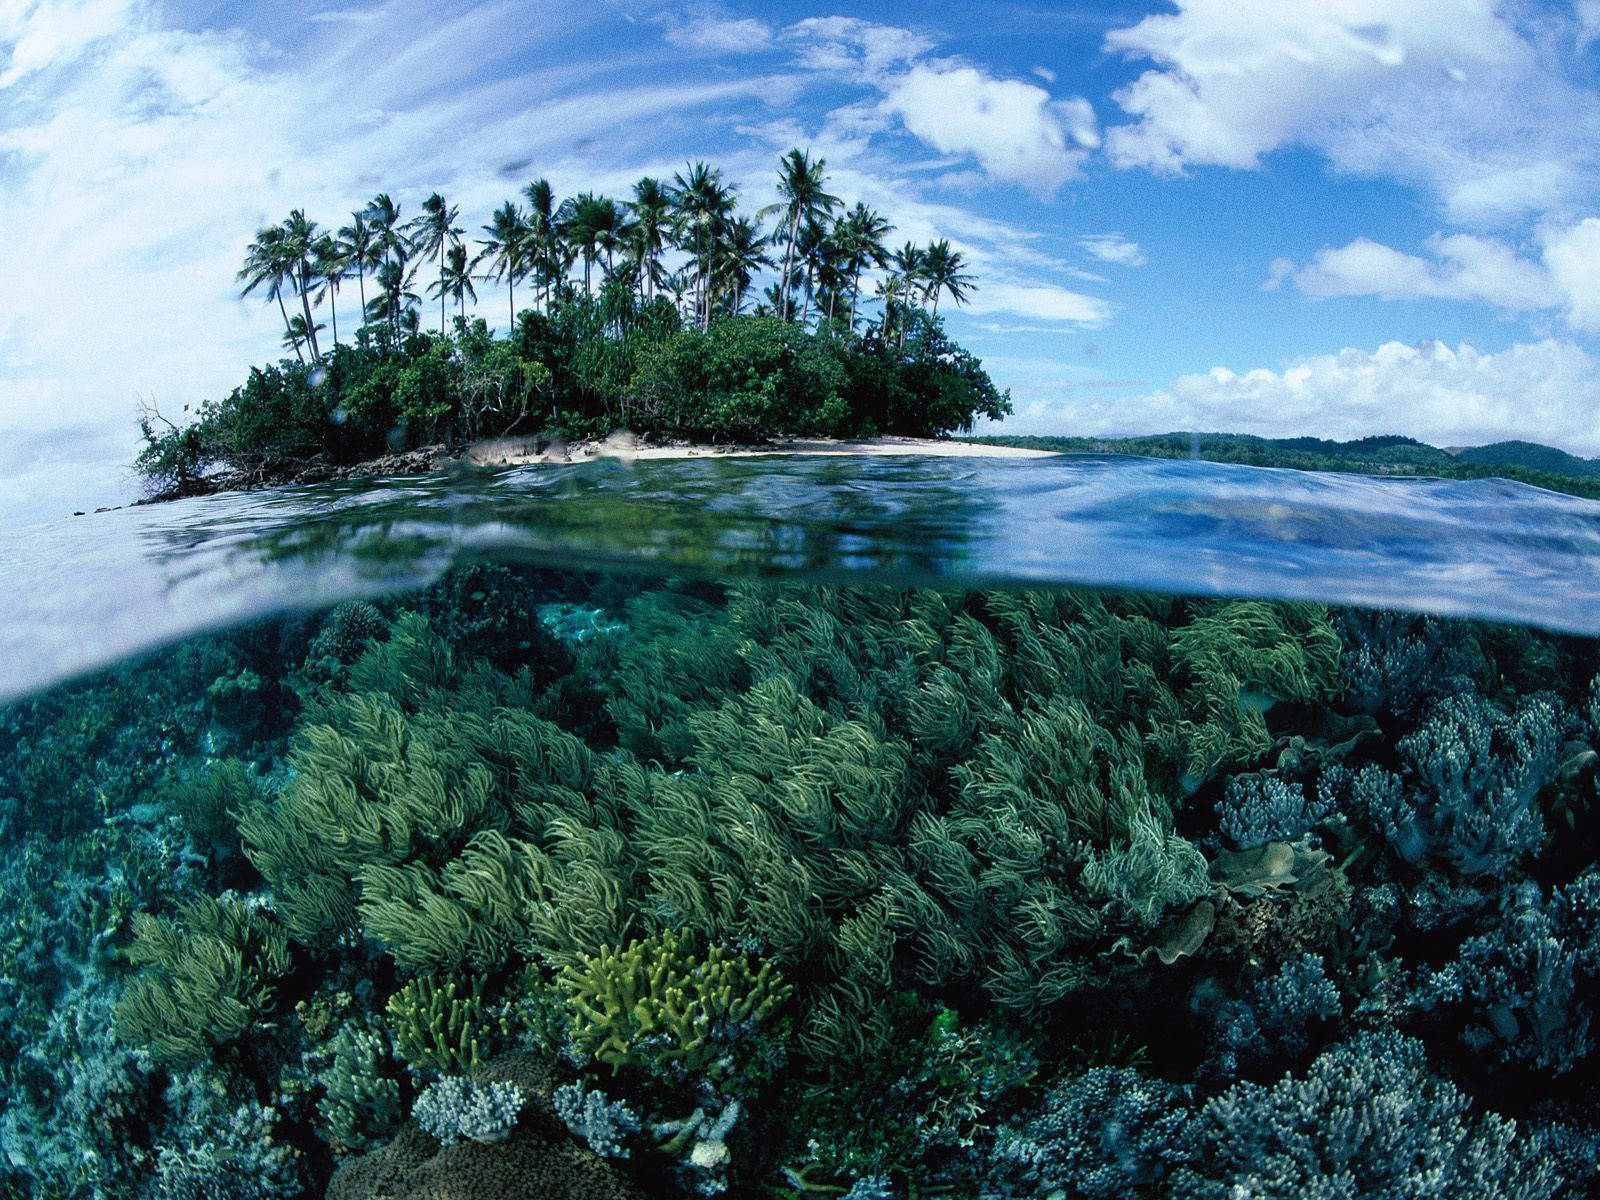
<point x="441" y="287"/>
<point x="361" y="282"/>
<point x="288" y="328"/>
<point x="305" y="303"/>
<point x="333" y="307"/>
<point x="855" y="295"/>
<point x="788" y="267"/>
<point x="511" y="305"/>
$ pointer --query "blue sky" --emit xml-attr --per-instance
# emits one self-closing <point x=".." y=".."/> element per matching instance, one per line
<point x="1338" y="217"/>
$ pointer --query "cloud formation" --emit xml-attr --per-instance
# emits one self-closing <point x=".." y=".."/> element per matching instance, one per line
<point x="1436" y="95"/>
<point x="1547" y="390"/>
<point x="1015" y="131"/>
<point x="1113" y="248"/>
<point x="1463" y="267"/>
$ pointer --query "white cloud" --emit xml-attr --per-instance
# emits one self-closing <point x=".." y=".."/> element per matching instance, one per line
<point x="849" y="45"/>
<point x="1547" y="390"/>
<point x="1464" y="267"/>
<point x="1573" y="258"/>
<point x="1113" y="248"/>
<point x="720" y="35"/>
<point x="1016" y="131"/>
<point x="1043" y="302"/>
<point x="1436" y="94"/>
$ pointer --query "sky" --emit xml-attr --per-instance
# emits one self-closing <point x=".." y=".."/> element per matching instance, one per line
<point x="1282" y="217"/>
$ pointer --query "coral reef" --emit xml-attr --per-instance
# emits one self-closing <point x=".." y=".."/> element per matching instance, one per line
<point x="741" y="890"/>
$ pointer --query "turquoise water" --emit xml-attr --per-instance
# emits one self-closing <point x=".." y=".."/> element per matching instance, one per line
<point x="86" y="591"/>
<point x="1046" y="829"/>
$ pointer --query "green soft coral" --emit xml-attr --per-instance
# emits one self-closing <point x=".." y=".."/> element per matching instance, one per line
<point x="207" y="978"/>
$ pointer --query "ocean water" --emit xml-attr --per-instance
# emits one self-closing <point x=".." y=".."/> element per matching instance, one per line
<point x="801" y="828"/>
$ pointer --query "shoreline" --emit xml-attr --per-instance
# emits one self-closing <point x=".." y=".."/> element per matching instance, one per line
<point x="491" y="453"/>
<point x="517" y="452"/>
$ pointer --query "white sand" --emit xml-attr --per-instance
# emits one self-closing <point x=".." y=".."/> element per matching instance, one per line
<point x="512" y="452"/>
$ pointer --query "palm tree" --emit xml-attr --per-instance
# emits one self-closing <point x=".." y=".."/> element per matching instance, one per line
<point x="588" y="225"/>
<point x="432" y="233"/>
<point x="331" y="267"/>
<point x="943" y="270"/>
<point x="395" y="298"/>
<point x="815" y="249"/>
<point x="455" y="279"/>
<point x="297" y="334"/>
<point x="506" y="248"/>
<point x="299" y="236"/>
<point x="266" y="262"/>
<point x="902" y="286"/>
<point x="740" y="252"/>
<point x="802" y="184"/>
<point x="651" y="208"/>
<point x="542" y="253"/>
<point x="361" y="251"/>
<point x="703" y="206"/>
<point x="861" y="235"/>
<point x="383" y="217"/>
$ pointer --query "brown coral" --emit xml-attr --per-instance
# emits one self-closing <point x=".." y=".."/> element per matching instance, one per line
<point x="539" y="1161"/>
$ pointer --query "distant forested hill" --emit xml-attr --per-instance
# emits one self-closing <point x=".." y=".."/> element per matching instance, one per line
<point x="1526" y="462"/>
<point x="1533" y="456"/>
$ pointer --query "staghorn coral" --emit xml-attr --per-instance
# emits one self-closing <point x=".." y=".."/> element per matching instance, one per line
<point x="208" y="978"/>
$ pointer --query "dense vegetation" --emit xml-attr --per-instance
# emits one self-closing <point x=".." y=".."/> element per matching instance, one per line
<point x="530" y="886"/>
<point x="1526" y="462"/>
<point x="646" y="315"/>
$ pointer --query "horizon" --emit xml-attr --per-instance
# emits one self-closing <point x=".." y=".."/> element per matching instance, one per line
<point x="1260" y="219"/>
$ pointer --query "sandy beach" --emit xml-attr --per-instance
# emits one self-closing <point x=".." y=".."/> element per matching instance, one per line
<point x="512" y="452"/>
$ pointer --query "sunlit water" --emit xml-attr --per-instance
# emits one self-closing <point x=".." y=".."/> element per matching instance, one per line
<point x="86" y="591"/>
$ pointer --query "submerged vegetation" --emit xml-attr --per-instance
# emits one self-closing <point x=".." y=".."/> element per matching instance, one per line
<point x="644" y="314"/>
<point x="795" y="891"/>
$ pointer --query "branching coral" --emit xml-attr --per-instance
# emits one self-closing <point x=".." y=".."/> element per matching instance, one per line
<point x="446" y="1024"/>
<point x="604" y="1124"/>
<point x="1368" y="1119"/>
<point x="361" y="1091"/>
<point x="208" y="978"/>
<point x="1471" y="775"/>
<point x="1529" y="981"/>
<point x="454" y="1109"/>
<point x="1102" y="1135"/>
<point x="658" y="1004"/>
